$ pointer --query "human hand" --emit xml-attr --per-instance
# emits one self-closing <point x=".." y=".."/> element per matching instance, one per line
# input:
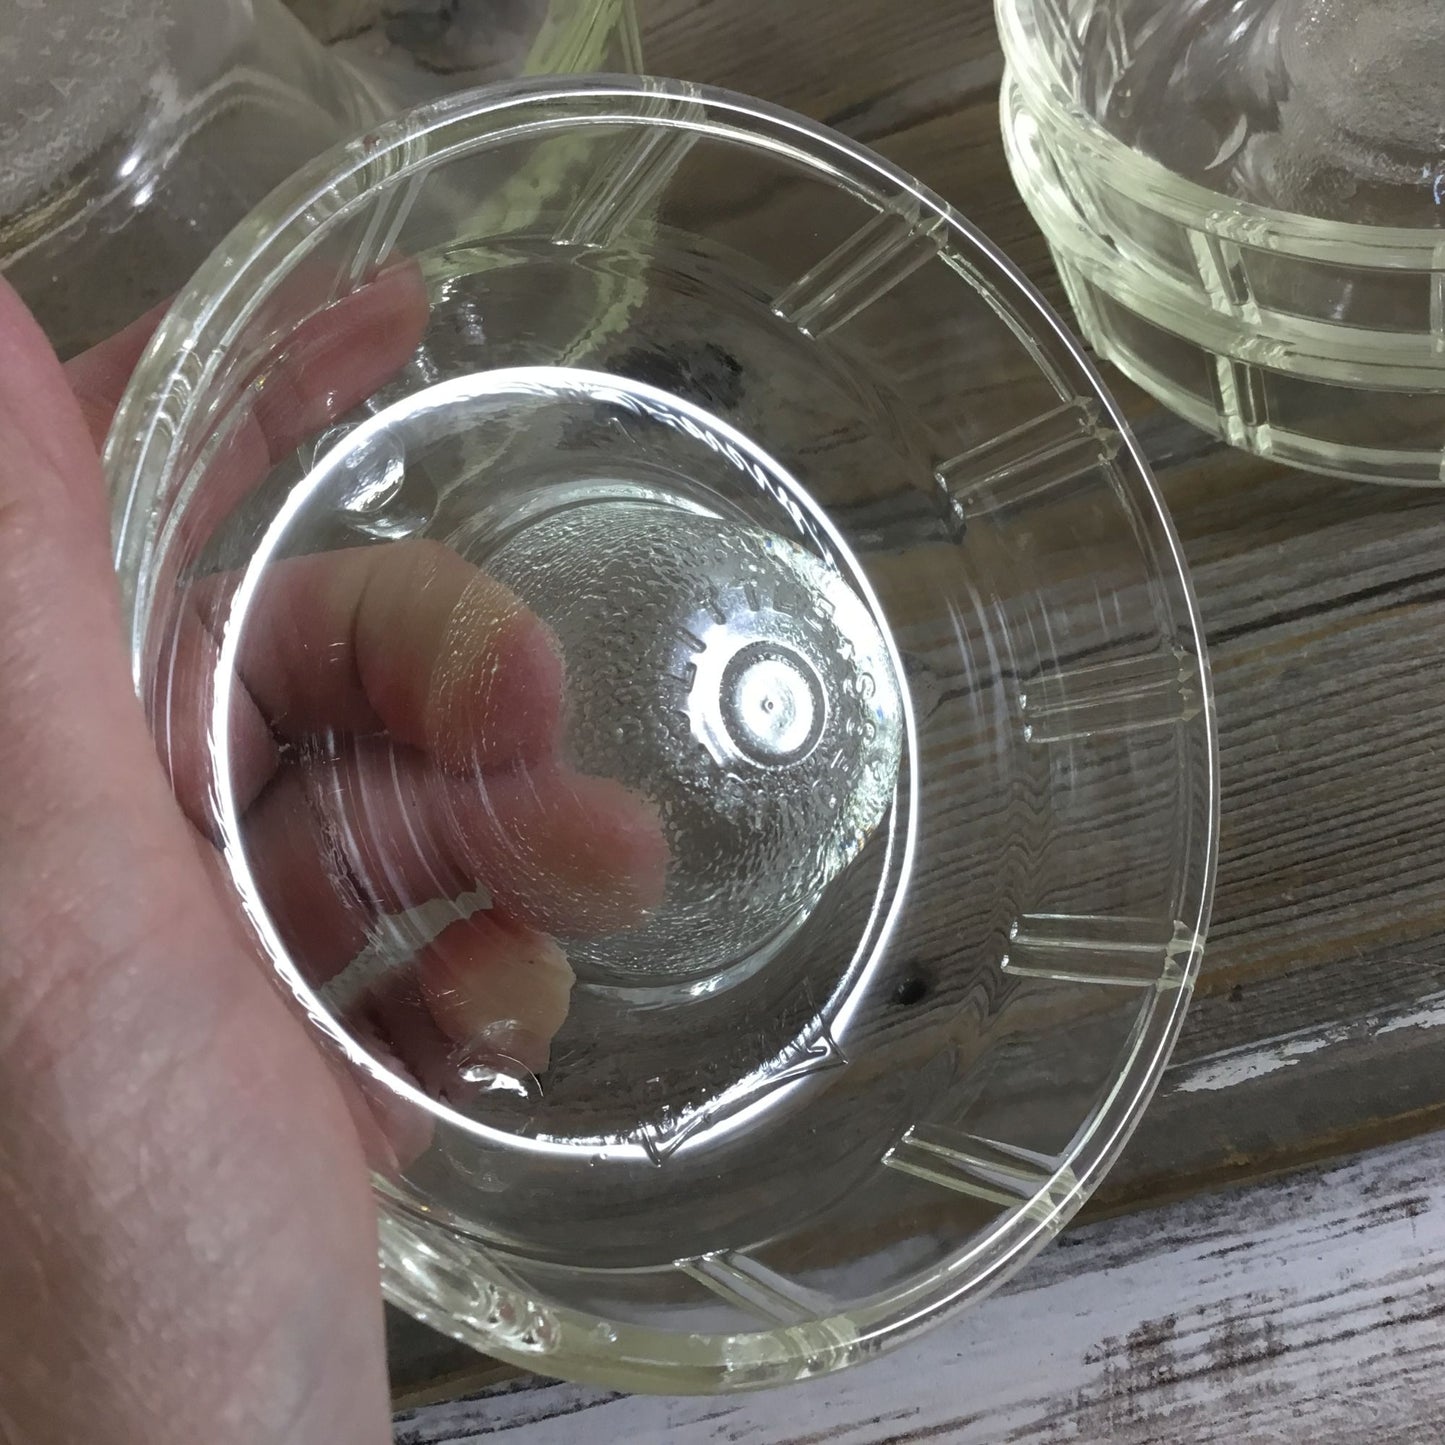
<point x="190" y="1241"/>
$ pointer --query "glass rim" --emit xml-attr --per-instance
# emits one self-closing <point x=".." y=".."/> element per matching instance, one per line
<point x="1323" y="351"/>
<point x="1045" y="91"/>
<point x="166" y="400"/>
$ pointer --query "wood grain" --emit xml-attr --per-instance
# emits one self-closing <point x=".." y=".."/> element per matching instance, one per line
<point x="865" y="68"/>
<point x="1310" y="1310"/>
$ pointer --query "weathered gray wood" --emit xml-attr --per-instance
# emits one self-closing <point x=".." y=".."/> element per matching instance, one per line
<point x="1307" y="1309"/>
<point x="336" y="19"/>
<point x="864" y="66"/>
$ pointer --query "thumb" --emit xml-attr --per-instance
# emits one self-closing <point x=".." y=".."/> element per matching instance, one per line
<point x="163" y="1118"/>
<point x="70" y="726"/>
<point x="38" y="410"/>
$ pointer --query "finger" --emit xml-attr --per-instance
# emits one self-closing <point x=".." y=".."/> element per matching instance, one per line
<point x="393" y="1014"/>
<point x="346" y="351"/>
<point x="334" y="360"/>
<point x="394" y="1132"/>
<point x="406" y="638"/>
<point x="336" y="844"/>
<point x="487" y="996"/>
<point x="556" y="849"/>
<point x="300" y="840"/>
<point x="338" y="357"/>
<point x="69" y="714"/>
<point x="497" y="988"/>
<point x="183" y="700"/>
<point x="560" y="851"/>
<point x="331" y="363"/>
<point x="99" y="377"/>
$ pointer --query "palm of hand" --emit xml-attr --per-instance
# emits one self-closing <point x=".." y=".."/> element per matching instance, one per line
<point x="190" y="1240"/>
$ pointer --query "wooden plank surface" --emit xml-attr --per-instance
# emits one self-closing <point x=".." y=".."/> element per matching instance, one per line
<point x="1319" y="1024"/>
<point x="1312" y="1309"/>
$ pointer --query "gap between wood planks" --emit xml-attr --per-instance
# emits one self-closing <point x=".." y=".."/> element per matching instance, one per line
<point x="1311" y="1309"/>
<point x="1248" y="1062"/>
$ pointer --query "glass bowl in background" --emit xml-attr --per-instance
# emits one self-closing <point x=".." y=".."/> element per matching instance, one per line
<point x="1244" y="201"/>
<point x="134" y="134"/>
<point x="698" y="698"/>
